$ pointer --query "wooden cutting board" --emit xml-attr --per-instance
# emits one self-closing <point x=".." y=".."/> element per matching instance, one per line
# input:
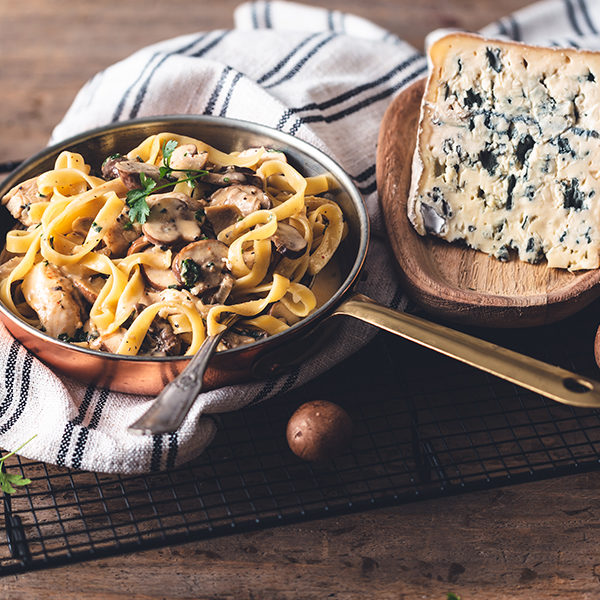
<point x="451" y="280"/>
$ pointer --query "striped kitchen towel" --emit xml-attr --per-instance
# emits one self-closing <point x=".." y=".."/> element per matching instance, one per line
<point x="321" y="75"/>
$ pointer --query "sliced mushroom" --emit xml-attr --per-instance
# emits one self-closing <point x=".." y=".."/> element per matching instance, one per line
<point x="19" y="199"/>
<point x="53" y="298"/>
<point x="234" y="338"/>
<point x="129" y="171"/>
<point x="159" y="279"/>
<point x="109" y="166"/>
<point x="201" y="267"/>
<point x="187" y="158"/>
<point x="232" y="175"/>
<point x="288" y="241"/>
<point x="81" y="226"/>
<point x="222" y="216"/>
<point x="173" y="218"/>
<point x="139" y="245"/>
<point x="247" y="198"/>
<point x="87" y="282"/>
<point x="89" y="287"/>
<point x="160" y="340"/>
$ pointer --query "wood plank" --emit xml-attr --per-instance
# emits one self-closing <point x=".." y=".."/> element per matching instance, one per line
<point x="528" y="541"/>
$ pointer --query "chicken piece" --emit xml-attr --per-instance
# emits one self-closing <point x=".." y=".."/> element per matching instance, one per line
<point x="19" y="199"/>
<point x="119" y="236"/>
<point x="53" y="298"/>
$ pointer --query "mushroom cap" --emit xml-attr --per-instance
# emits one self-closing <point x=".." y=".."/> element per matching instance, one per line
<point x="247" y="198"/>
<point x="202" y="267"/>
<point x="288" y="241"/>
<point x="172" y="219"/>
<point x="187" y="158"/>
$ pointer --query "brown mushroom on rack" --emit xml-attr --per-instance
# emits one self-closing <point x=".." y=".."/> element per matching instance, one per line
<point x="174" y="217"/>
<point x="202" y="268"/>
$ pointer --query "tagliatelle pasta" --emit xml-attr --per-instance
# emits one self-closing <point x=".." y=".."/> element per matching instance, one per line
<point x="149" y="255"/>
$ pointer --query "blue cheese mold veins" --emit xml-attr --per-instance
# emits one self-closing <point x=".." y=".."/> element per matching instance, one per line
<point x="506" y="157"/>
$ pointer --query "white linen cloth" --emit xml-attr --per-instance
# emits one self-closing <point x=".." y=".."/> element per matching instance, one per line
<point x="321" y="75"/>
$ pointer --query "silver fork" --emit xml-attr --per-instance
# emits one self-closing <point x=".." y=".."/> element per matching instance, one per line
<point x="171" y="406"/>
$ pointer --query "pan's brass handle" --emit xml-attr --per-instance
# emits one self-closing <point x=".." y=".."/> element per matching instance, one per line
<point x="550" y="381"/>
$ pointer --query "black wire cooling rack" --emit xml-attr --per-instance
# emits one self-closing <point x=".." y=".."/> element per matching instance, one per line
<point x="425" y="426"/>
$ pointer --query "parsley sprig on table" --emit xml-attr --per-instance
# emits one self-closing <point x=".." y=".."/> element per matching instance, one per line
<point x="136" y="199"/>
<point x="8" y="481"/>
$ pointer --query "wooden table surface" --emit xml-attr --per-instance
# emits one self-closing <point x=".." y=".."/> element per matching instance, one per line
<point x="527" y="541"/>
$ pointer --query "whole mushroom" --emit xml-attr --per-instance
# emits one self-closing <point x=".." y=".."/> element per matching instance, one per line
<point x="319" y="430"/>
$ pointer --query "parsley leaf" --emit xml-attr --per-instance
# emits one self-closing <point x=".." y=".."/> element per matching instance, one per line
<point x="167" y="150"/>
<point x="8" y="481"/>
<point x="136" y="199"/>
<point x="190" y="272"/>
<point x="452" y="596"/>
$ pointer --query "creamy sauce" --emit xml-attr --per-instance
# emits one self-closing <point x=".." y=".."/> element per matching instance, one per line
<point x="327" y="282"/>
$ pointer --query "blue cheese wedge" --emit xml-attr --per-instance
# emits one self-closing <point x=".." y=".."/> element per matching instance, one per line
<point x="508" y="151"/>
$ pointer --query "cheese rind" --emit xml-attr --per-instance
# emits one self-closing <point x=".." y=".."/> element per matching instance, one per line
<point x="508" y="151"/>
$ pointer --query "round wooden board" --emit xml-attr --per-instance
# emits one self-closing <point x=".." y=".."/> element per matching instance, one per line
<point x="454" y="281"/>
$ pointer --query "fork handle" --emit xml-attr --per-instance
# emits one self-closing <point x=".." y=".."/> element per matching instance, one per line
<point x="171" y="406"/>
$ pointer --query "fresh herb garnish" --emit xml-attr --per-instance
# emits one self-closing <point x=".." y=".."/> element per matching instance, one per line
<point x="136" y="199"/>
<point x="190" y="272"/>
<point x="199" y="215"/>
<point x="8" y="481"/>
<point x="167" y="151"/>
<point x="96" y="227"/>
<point x="452" y="596"/>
